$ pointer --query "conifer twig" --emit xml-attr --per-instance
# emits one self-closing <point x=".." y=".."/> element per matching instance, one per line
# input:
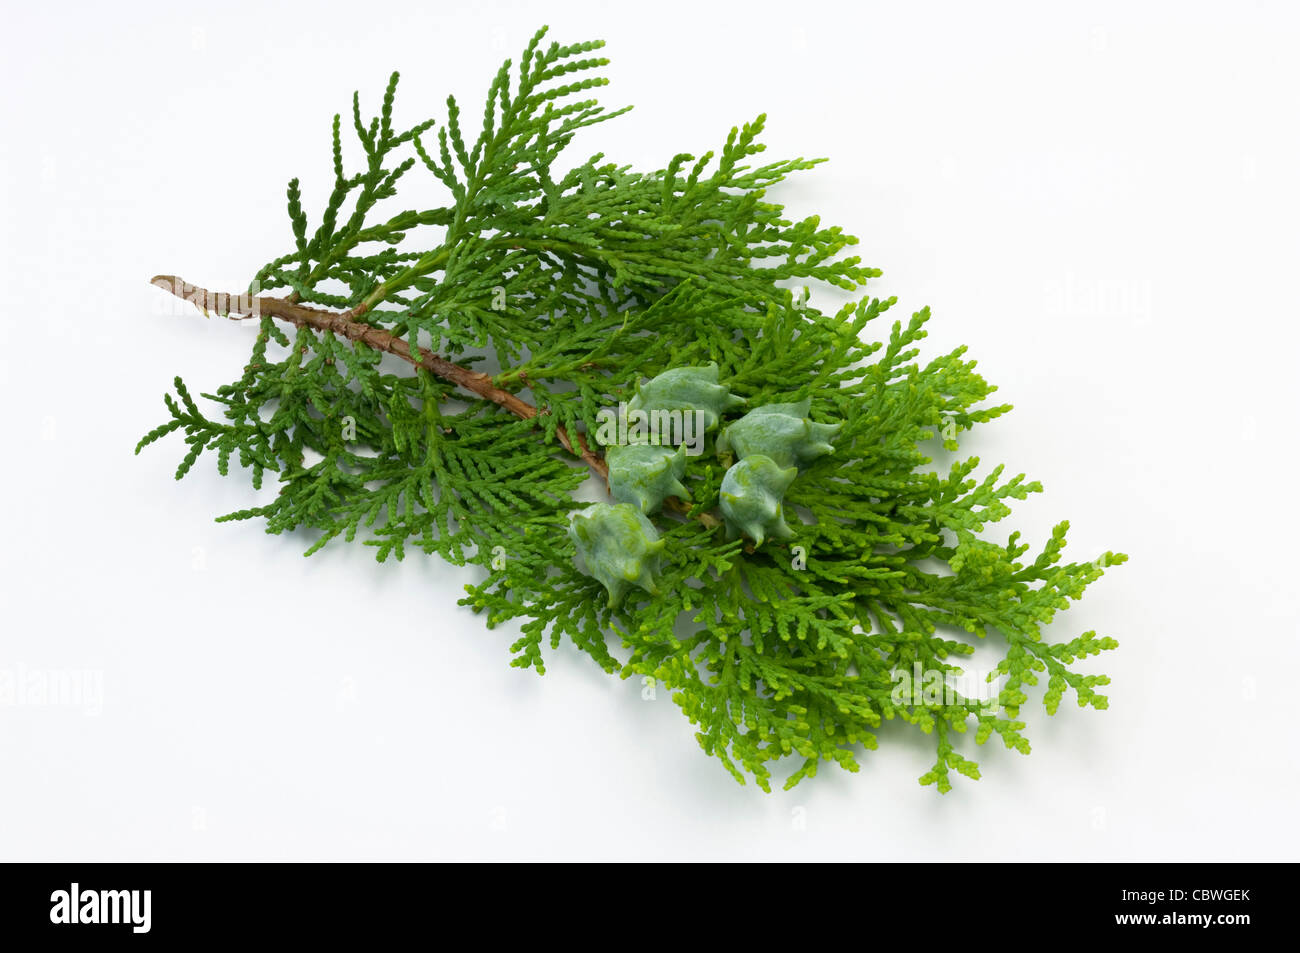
<point x="779" y="640"/>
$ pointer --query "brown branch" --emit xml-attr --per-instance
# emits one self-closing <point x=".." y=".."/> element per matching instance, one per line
<point x="239" y="307"/>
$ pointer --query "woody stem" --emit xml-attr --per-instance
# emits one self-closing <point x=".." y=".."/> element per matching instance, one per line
<point x="238" y="307"/>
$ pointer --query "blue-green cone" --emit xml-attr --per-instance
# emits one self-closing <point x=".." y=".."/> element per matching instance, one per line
<point x="750" y="498"/>
<point x="782" y="432"/>
<point x="686" y="389"/>
<point x="618" y="547"/>
<point x="644" y="475"/>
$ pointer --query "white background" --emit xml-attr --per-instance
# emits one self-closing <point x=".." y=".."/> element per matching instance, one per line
<point x="1101" y="203"/>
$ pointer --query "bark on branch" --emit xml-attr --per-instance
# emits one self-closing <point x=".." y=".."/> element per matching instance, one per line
<point x="238" y="307"/>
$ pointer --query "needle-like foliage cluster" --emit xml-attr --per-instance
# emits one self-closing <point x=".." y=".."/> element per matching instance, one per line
<point x="578" y="283"/>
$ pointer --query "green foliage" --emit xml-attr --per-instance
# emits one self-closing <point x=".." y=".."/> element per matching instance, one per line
<point x="579" y="281"/>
